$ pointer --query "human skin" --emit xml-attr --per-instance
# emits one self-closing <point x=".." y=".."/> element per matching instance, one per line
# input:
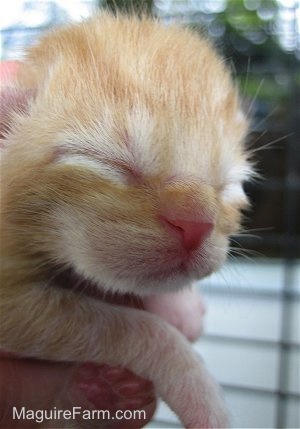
<point x="41" y="385"/>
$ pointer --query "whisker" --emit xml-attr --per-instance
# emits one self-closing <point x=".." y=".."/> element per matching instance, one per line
<point x="271" y="143"/>
<point x="255" y="96"/>
<point x="246" y="253"/>
<point x="259" y="137"/>
<point x="247" y="75"/>
<point x="239" y="248"/>
<point x="258" y="237"/>
<point x="257" y="125"/>
<point x="248" y="232"/>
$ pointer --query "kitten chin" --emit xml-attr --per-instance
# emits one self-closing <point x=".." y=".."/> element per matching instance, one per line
<point x="130" y="279"/>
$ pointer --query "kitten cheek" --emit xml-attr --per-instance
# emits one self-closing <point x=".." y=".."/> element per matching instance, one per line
<point x="229" y="219"/>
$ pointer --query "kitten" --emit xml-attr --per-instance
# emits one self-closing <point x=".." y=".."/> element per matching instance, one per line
<point x="123" y="172"/>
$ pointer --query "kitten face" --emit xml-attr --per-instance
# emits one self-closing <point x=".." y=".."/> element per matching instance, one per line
<point x="144" y="140"/>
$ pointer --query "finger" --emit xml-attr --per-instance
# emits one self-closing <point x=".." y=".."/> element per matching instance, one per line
<point x="30" y="384"/>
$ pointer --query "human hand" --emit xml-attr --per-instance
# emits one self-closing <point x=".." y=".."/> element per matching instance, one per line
<point x="123" y="399"/>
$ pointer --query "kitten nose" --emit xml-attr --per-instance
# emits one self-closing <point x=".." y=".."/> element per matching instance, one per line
<point x="193" y="233"/>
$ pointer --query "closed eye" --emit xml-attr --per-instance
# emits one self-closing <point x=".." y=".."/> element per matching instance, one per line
<point x="114" y="168"/>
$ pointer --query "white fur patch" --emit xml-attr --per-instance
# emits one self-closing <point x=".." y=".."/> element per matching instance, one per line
<point x="233" y="192"/>
<point x="239" y="173"/>
<point x="233" y="189"/>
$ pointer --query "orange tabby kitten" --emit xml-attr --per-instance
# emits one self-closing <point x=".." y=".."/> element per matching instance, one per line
<point x="124" y="172"/>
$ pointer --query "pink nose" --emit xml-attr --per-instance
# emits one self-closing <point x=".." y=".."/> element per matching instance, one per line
<point x="192" y="233"/>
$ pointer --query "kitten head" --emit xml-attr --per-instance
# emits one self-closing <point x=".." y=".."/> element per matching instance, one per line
<point x="134" y="153"/>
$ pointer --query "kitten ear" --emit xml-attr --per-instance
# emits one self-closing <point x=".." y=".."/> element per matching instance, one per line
<point x="12" y="99"/>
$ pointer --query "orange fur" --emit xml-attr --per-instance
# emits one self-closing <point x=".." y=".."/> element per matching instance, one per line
<point x="126" y="119"/>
